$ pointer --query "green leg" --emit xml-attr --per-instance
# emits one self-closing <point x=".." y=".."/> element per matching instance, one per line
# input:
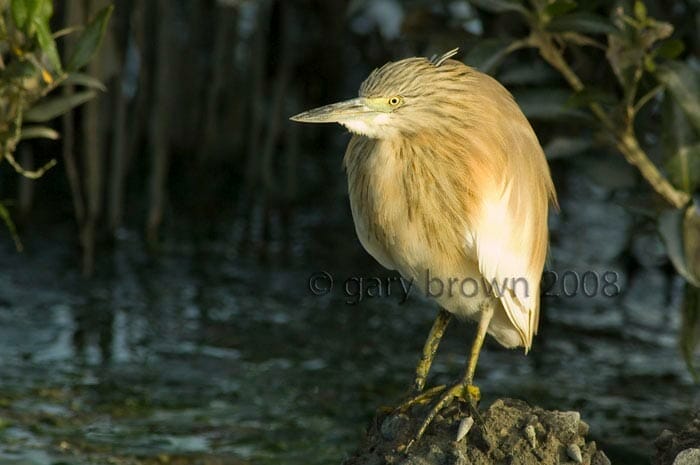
<point x="465" y="387"/>
<point x="429" y="348"/>
<point x="419" y="395"/>
<point x="486" y="315"/>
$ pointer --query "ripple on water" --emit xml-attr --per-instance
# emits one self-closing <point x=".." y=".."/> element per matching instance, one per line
<point x="179" y="359"/>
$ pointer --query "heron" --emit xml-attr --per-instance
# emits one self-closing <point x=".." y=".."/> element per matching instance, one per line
<point x="448" y="184"/>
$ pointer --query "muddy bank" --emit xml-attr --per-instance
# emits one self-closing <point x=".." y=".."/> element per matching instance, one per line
<point x="513" y="433"/>
<point x="681" y="447"/>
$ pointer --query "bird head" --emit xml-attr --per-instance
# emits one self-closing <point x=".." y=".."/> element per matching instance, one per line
<point x="369" y="116"/>
<point x="398" y="98"/>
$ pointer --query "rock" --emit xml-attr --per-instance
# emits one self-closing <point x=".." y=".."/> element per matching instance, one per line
<point x="681" y="448"/>
<point x="392" y="425"/>
<point x="464" y="426"/>
<point x="599" y="458"/>
<point x="664" y="439"/>
<point x="574" y="453"/>
<point x="501" y="438"/>
<point x="688" y="457"/>
<point x="531" y="435"/>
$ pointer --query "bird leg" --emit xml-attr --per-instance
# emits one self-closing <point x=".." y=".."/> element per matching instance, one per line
<point x="465" y="388"/>
<point x="419" y="396"/>
<point x="430" y="347"/>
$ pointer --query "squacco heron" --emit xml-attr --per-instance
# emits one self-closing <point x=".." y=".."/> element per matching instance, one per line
<point x="449" y="185"/>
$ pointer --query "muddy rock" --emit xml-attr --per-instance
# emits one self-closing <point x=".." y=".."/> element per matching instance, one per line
<point x="510" y="432"/>
<point x="679" y="448"/>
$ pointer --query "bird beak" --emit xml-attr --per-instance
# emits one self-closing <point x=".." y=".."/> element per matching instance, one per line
<point x="334" y="113"/>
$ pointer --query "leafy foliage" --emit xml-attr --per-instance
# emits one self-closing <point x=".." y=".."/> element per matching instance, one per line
<point x="31" y="69"/>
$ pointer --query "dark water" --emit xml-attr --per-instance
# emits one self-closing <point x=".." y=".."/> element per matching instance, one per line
<point x="204" y="356"/>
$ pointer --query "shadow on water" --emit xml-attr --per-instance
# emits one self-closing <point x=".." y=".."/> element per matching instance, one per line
<point x="202" y="357"/>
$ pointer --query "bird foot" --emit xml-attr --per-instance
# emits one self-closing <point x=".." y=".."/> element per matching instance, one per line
<point x="473" y="392"/>
<point x="420" y="398"/>
<point x="468" y="393"/>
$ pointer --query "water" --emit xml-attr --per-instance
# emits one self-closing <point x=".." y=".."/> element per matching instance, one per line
<point x="204" y="356"/>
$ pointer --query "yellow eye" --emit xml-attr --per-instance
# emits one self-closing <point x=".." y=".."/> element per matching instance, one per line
<point x="395" y="101"/>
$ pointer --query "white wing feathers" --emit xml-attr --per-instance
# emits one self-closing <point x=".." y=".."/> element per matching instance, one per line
<point x="508" y="242"/>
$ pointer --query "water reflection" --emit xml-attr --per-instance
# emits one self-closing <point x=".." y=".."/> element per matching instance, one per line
<point x="92" y="334"/>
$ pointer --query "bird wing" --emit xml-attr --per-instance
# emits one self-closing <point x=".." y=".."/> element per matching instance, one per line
<point x="510" y="234"/>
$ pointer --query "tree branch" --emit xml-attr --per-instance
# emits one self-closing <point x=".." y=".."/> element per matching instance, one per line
<point x="625" y="139"/>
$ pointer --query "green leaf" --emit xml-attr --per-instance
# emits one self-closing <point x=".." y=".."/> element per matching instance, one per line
<point x="499" y="6"/>
<point x="649" y="64"/>
<point x="547" y="104"/>
<point x="564" y="147"/>
<point x="676" y="132"/>
<point x="487" y="54"/>
<point x="653" y="32"/>
<point x="684" y="168"/>
<point x="589" y="95"/>
<point x="691" y="235"/>
<point x="610" y="172"/>
<point x="675" y="234"/>
<point x="80" y="79"/>
<point x="34" y="7"/>
<point x="90" y="40"/>
<point x="49" y="109"/>
<point x="582" y="22"/>
<point x="46" y="10"/>
<point x="528" y="74"/>
<point x="623" y="58"/>
<point x="670" y="49"/>
<point x="18" y="69"/>
<point x="20" y="12"/>
<point x="640" y="10"/>
<point x="684" y="84"/>
<point x="47" y="42"/>
<point x="690" y="327"/>
<point x="38" y="132"/>
<point x="25" y="13"/>
<point x="559" y="7"/>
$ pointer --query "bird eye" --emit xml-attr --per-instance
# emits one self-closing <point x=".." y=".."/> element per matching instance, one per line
<point x="393" y="101"/>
